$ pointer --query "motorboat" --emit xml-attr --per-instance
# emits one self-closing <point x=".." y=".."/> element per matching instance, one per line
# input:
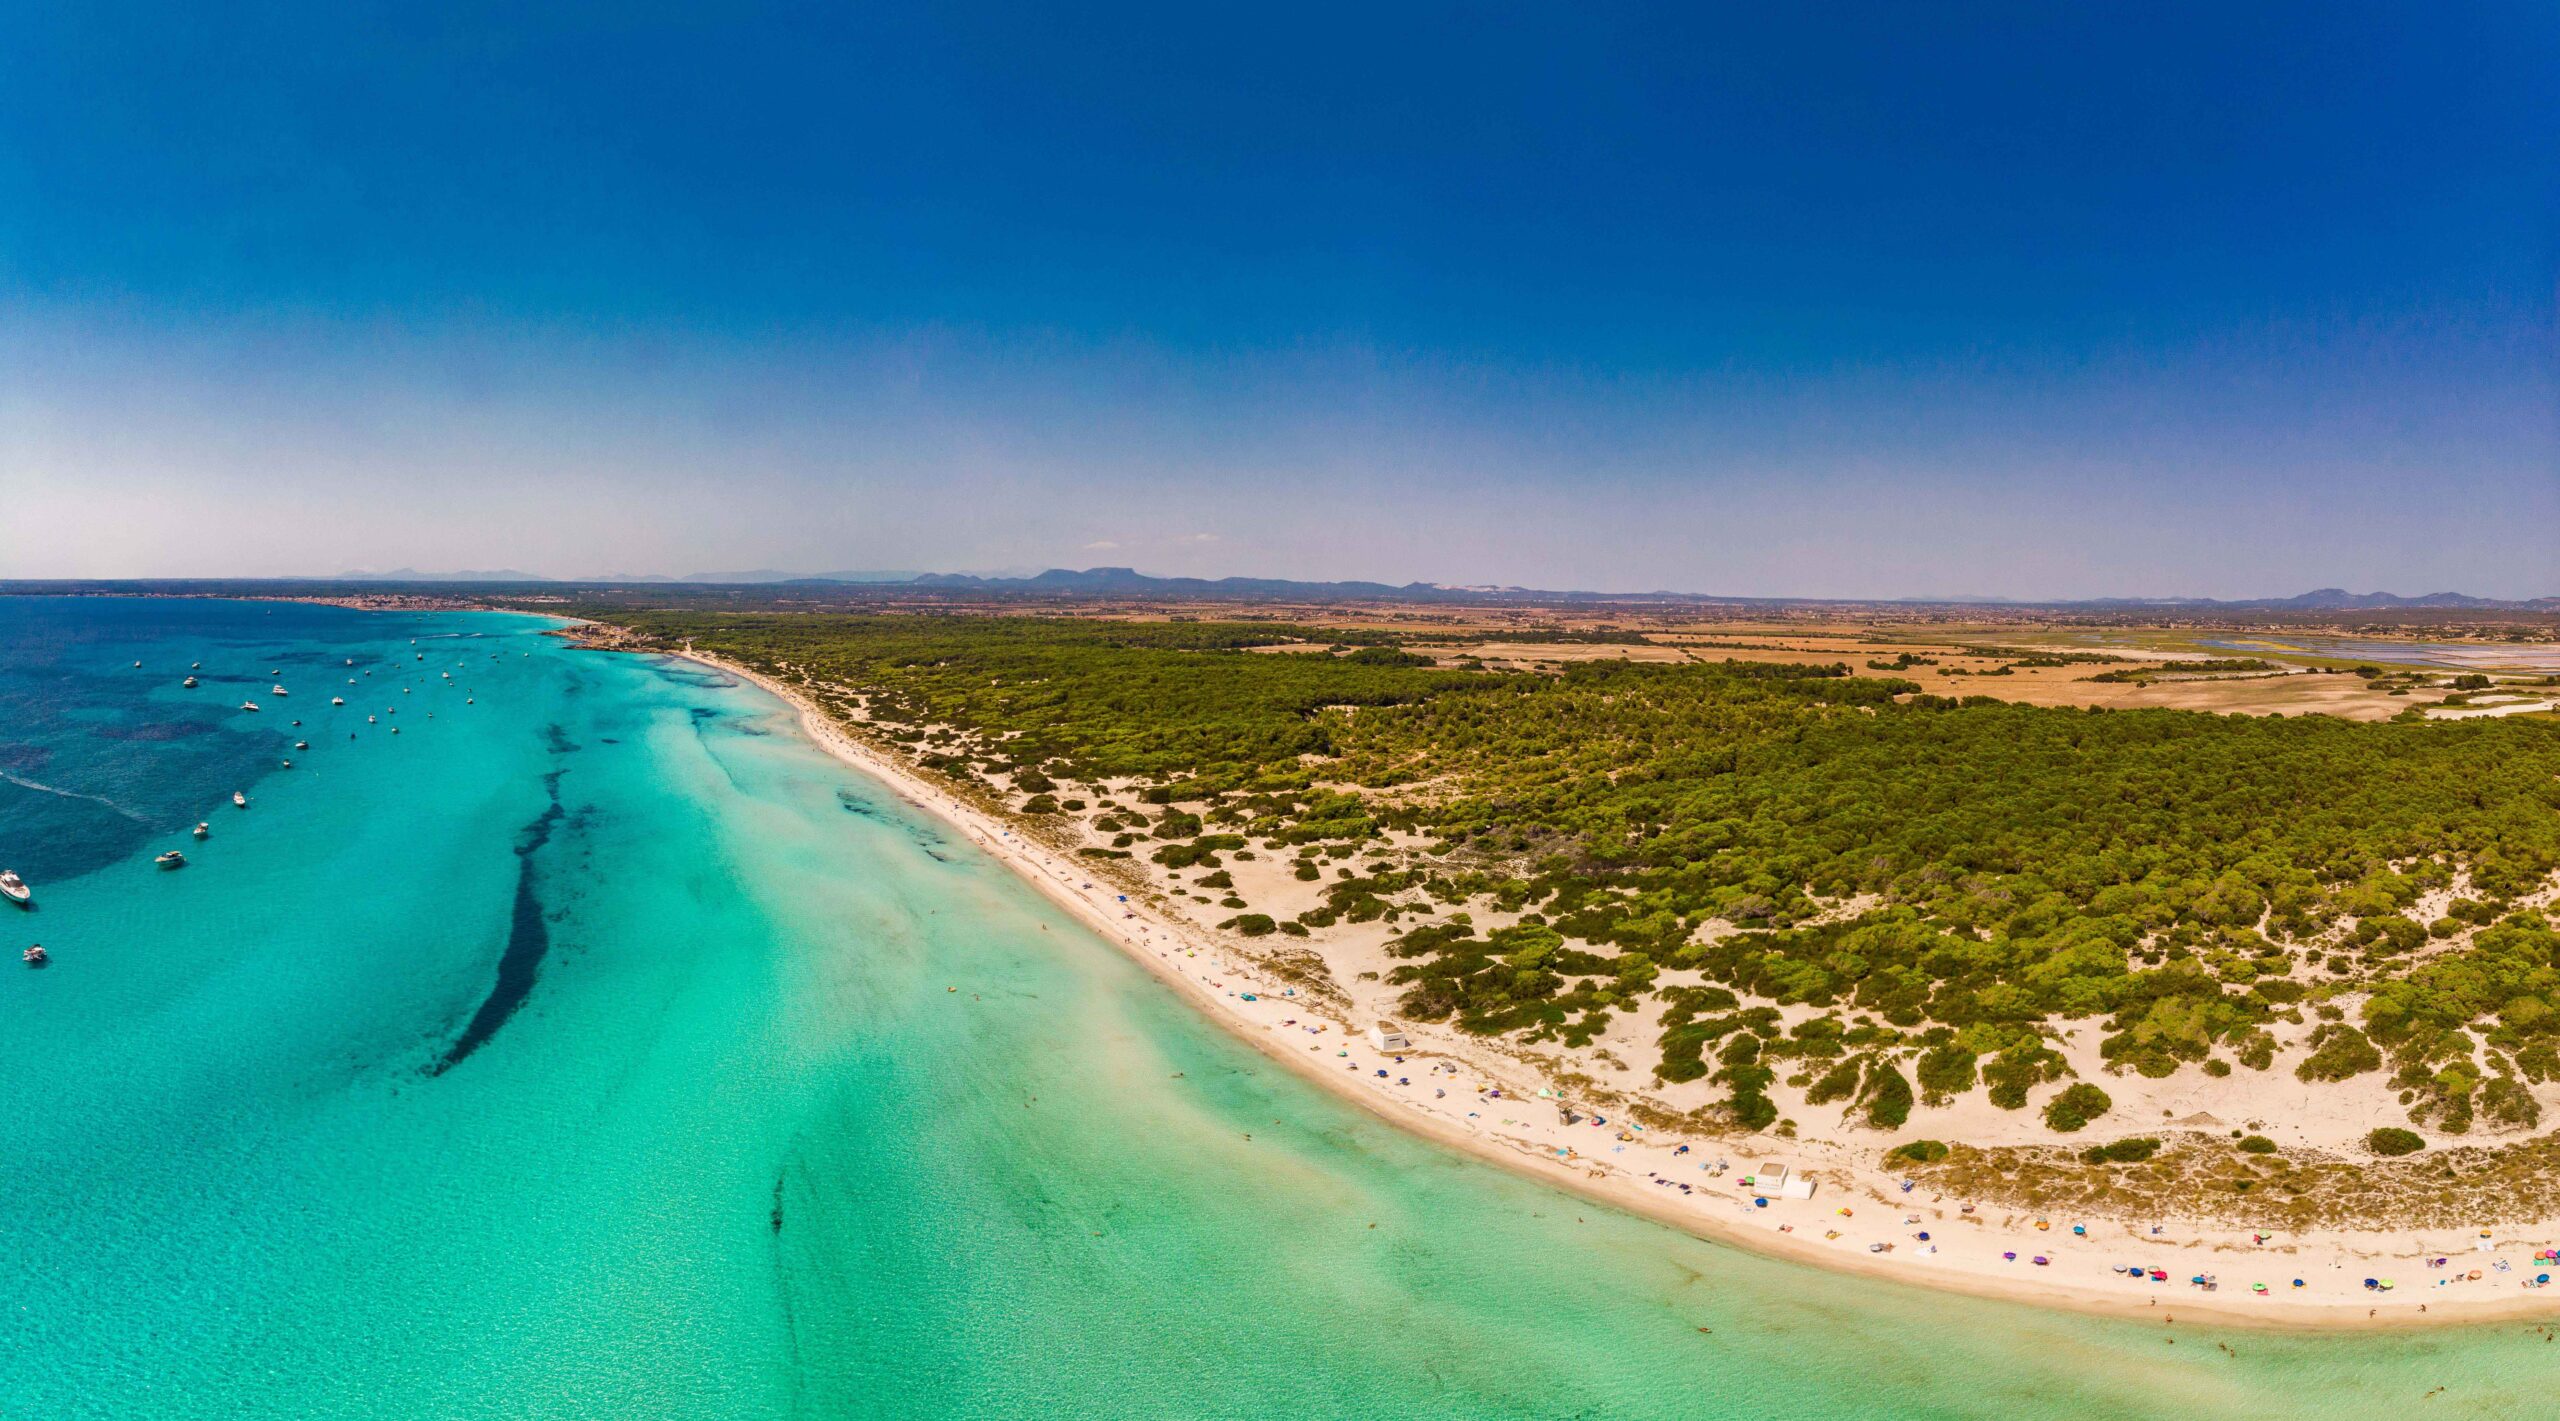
<point x="285" y="764"/>
<point x="171" y="859"/>
<point x="35" y="956"/>
<point x="239" y="800"/>
<point x="369" y="720"/>
<point x="203" y="830"/>
<point x="337" y="700"/>
<point x="278" y="691"/>
<point x="189" y="683"/>
<point x="302" y="745"/>
<point x="14" y="888"/>
<point x="248" y="705"/>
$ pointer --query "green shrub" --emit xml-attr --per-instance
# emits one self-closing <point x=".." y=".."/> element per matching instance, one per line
<point x="2077" y="1105"/>
<point x="1917" y="1152"/>
<point x="1251" y="925"/>
<point x="2337" y="1052"/>
<point x="1946" y="1072"/>
<point x="1888" y="1096"/>
<point x="2133" y="1151"/>
<point x="1838" y="1083"/>
<point x="2258" y="1145"/>
<point x="2391" y="1141"/>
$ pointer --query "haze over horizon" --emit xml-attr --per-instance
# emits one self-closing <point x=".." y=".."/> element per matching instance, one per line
<point x="1864" y="302"/>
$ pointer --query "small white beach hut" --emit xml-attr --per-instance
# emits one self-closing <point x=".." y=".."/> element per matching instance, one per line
<point x="1386" y="1036"/>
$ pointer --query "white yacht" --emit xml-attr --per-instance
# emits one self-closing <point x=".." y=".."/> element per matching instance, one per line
<point x="248" y="705"/>
<point x="239" y="800"/>
<point x="14" y="888"/>
<point x="278" y="691"/>
<point x="337" y="700"/>
<point x="189" y="683"/>
<point x="171" y="859"/>
<point x="203" y="830"/>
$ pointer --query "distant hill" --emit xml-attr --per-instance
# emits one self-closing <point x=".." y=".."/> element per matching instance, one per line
<point x="411" y="574"/>
<point x="1129" y="582"/>
<point x="762" y="575"/>
<point x="2338" y="599"/>
<point x="1065" y="584"/>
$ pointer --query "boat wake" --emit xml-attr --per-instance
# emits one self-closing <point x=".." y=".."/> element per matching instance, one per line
<point x="42" y="788"/>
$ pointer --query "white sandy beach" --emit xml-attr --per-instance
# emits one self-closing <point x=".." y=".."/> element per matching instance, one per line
<point x="1859" y="1218"/>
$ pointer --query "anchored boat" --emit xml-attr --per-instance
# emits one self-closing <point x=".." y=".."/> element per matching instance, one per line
<point x="14" y="888"/>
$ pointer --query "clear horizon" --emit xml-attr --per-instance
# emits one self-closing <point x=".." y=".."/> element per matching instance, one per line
<point x="1870" y="303"/>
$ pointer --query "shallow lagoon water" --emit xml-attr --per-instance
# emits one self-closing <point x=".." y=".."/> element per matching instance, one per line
<point x="730" y="1145"/>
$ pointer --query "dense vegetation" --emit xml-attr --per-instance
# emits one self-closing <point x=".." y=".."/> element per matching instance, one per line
<point x="1880" y="896"/>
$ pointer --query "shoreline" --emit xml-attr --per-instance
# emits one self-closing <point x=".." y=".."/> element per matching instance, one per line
<point x="1239" y="998"/>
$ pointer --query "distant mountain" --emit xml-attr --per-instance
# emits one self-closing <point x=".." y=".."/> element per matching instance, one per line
<point x="1129" y="582"/>
<point x="1067" y="584"/>
<point x="2338" y="599"/>
<point x="763" y="575"/>
<point x="411" y="574"/>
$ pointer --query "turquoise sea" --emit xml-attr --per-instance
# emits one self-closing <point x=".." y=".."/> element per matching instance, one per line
<point x="590" y="1050"/>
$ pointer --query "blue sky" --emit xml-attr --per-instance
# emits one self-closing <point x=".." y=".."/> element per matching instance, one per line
<point x="1849" y="300"/>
